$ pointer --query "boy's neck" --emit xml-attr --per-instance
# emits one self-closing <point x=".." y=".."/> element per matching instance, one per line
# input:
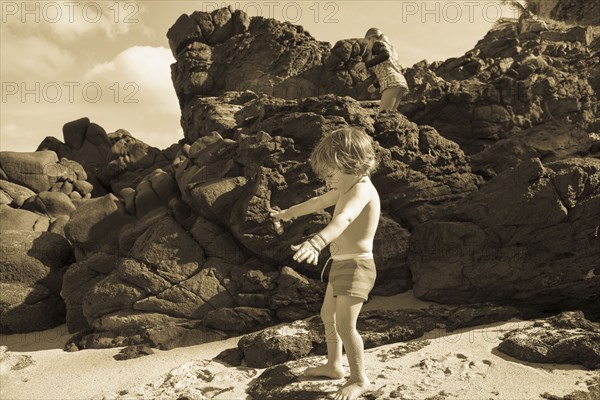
<point x="354" y="181"/>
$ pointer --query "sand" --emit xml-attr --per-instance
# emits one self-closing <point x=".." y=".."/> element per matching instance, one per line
<point x="463" y="364"/>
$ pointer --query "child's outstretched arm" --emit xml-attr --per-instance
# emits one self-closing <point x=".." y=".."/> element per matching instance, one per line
<point x="310" y="206"/>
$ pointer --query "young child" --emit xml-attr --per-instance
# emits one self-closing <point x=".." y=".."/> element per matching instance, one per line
<point x="344" y="159"/>
<point x="385" y="64"/>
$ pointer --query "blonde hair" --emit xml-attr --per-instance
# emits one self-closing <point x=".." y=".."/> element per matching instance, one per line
<point x="378" y="35"/>
<point x="348" y="149"/>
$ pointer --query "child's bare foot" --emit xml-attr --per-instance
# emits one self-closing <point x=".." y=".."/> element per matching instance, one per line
<point x="326" y="370"/>
<point x="352" y="390"/>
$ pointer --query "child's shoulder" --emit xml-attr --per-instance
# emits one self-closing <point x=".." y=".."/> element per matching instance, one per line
<point x="364" y="187"/>
<point x="379" y="47"/>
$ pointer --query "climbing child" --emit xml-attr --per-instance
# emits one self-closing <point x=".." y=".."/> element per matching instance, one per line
<point x="344" y="159"/>
<point x="393" y="85"/>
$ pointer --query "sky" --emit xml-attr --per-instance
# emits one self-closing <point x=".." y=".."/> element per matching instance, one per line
<point x="110" y="60"/>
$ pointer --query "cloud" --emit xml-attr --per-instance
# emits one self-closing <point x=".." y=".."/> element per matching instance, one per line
<point x="70" y="21"/>
<point x="32" y="56"/>
<point x="142" y="71"/>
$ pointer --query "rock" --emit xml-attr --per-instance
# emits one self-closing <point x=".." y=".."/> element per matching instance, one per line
<point x="130" y="352"/>
<point x="238" y="319"/>
<point x="194" y="298"/>
<point x="232" y="357"/>
<point x="580" y="12"/>
<point x="31" y="271"/>
<point x="245" y="48"/>
<point x="296" y="297"/>
<point x="504" y="91"/>
<point x="108" y="295"/>
<point x="277" y="345"/>
<point x="204" y="115"/>
<point x="567" y="338"/>
<point x="74" y="132"/>
<point x="286" y="380"/>
<point x="16" y="194"/>
<point x="170" y="336"/>
<point x="83" y="187"/>
<point x="79" y="278"/>
<point x="88" y="145"/>
<point x="534" y="216"/>
<point x="58" y="225"/>
<point x="94" y="225"/>
<point x="53" y="204"/>
<point x="129" y="161"/>
<point x="217" y="242"/>
<point x="22" y="220"/>
<point x="393" y="272"/>
<point x="33" y="170"/>
<point x="28" y="308"/>
<point x="547" y="142"/>
<point x="153" y="191"/>
<point x="34" y="257"/>
<point x="169" y="248"/>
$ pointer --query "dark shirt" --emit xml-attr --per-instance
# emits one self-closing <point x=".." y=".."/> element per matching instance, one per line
<point x="380" y="53"/>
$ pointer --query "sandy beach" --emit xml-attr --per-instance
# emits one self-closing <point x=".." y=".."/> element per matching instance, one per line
<point x="463" y="364"/>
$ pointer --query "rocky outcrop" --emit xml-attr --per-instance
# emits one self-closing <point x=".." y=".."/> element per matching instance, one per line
<point x="521" y="92"/>
<point x="112" y="161"/>
<point x="567" y="338"/>
<point x="225" y="50"/>
<point x="191" y="244"/>
<point x="514" y="96"/>
<point x="529" y="235"/>
<point x="38" y="194"/>
<point x="572" y="11"/>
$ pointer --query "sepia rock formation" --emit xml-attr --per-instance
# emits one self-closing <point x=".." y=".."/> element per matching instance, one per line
<point x="488" y="177"/>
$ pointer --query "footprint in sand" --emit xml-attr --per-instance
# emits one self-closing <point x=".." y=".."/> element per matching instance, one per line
<point x="436" y="369"/>
<point x="470" y="369"/>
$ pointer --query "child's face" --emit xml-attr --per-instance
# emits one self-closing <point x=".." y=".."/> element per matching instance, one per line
<point x="336" y="178"/>
<point x="332" y="177"/>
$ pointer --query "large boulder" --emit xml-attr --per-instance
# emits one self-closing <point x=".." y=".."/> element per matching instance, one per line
<point x="16" y="219"/>
<point x="529" y="235"/>
<point x="94" y="226"/>
<point x="225" y="50"/>
<point x="34" y="170"/>
<point x="13" y="194"/>
<point x="567" y="338"/>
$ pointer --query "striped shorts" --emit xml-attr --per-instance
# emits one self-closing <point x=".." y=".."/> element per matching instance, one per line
<point x="353" y="277"/>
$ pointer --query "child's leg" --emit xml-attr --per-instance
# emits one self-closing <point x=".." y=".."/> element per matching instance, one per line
<point x="397" y="99"/>
<point x="388" y="98"/>
<point x="347" y="310"/>
<point x="333" y="368"/>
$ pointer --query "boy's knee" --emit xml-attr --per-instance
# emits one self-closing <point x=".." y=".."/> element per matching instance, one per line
<point x="326" y="316"/>
<point x="345" y="330"/>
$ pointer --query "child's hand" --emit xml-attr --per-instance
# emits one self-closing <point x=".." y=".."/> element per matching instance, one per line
<point x="306" y="252"/>
<point x="278" y="214"/>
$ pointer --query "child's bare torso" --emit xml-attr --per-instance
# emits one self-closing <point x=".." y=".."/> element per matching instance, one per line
<point x="358" y="236"/>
